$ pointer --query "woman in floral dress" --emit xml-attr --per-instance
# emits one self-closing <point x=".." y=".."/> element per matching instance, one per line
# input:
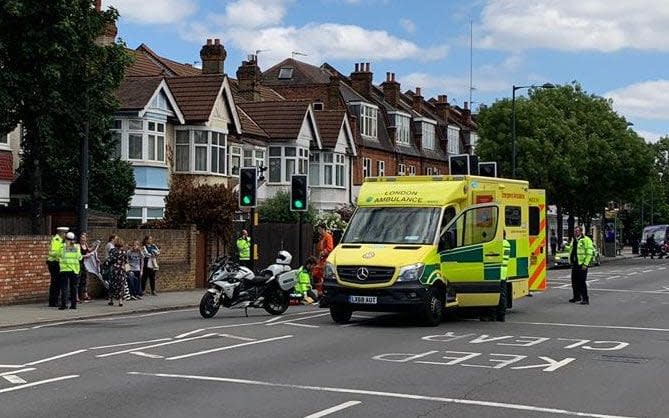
<point x="117" y="274"/>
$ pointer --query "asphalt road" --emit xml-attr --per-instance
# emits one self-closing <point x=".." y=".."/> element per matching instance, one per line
<point x="550" y="358"/>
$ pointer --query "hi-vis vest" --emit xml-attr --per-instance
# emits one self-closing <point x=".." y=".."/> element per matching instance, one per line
<point x="303" y="281"/>
<point x="244" y="248"/>
<point x="54" y="248"/>
<point x="505" y="260"/>
<point x="70" y="255"/>
<point x="585" y="251"/>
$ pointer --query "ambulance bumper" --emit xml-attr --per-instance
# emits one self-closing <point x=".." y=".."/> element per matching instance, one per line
<point x="400" y="297"/>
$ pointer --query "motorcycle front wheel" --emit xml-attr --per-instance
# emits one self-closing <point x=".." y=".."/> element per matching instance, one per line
<point x="208" y="307"/>
<point x="276" y="301"/>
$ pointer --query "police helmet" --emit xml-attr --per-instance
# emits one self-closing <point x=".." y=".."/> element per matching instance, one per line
<point x="283" y="257"/>
<point x="70" y="236"/>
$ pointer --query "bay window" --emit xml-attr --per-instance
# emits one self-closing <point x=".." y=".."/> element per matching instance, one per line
<point x="286" y="161"/>
<point x="326" y="169"/>
<point x="200" y="151"/>
<point x="138" y="139"/>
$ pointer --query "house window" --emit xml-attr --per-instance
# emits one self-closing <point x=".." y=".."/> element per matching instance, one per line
<point x="435" y="171"/>
<point x="254" y="157"/>
<point x="200" y="151"/>
<point x="235" y="160"/>
<point x="401" y="169"/>
<point x="453" y="137"/>
<point x="368" y="123"/>
<point x="285" y="73"/>
<point x="428" y="171"/>
<point x="402" y="123"/>
<point x="286" y="161"/>
<point x="339" y="170"/>
<point x="4" y="139"/>
<point x="318" y="106"/>
<point x="138" y="139"/>
<point x="366" y="167"/>
<point x="380" y="168"/>
<point x="412" y="170"/>
<point x="428" y="135"/>
<point x="315" y="169"/>
<point x="473" y="139"/>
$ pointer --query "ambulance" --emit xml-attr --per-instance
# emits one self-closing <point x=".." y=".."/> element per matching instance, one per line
<point x="426" y="244"/>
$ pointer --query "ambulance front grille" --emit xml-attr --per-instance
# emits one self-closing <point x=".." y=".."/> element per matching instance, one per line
<point x="365" y="274"/>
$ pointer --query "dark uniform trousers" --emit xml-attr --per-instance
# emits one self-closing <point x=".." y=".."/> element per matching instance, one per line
<point x="578" y="283"/>
<point x="68" y="280"/>
<point x="54" y="285"/>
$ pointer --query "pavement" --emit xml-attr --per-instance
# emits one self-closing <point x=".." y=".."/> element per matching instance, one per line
<point x="39" y="313"/>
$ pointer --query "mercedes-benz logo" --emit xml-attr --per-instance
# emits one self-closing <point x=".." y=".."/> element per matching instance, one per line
<point x="362" y="273"/>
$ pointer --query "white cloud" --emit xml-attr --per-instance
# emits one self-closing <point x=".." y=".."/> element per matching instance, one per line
<point x="647" y="99"/>
<point x="456" y="88"/>
<point x="599" y="25"/>
<point x="153" y="12"/>
<point x="408" y="25"/>
<point x="252" y="14"/>
<point x="651" y="137"/>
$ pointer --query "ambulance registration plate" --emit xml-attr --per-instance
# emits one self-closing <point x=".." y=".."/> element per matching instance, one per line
<point x="368" y="300"/>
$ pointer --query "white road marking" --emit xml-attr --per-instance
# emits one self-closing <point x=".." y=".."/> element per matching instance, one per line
<point x="214" y="350"/>
<point x="612" y="277"/>
<point x="53" y="324"/>
<point x="71" y="353"/>
<point x="154" y="345"/>
<point x="14" y="330"/>
<point x="100" y="347"/>
<point x="653" y="292"/>
<point x="557" y="324"/>
<point x="13" y="379"/>
<point x="28" y="369"/>
<point x="41" y="382"/>
<point x="298" y="319"/>
<point x="245" y="324"/>
<point x="295" y="324"/>
<point x="234" y="337"/>
<point x="647" y="271"/>
<point x="186" y="334"/>
<point x="143" y="354"/>
<point x="334" y="409"/>
<point x="661" y="268"/>
<point x="395" y="395"/>
<point x="632" y="273"/>
<point x="11" y="366"/>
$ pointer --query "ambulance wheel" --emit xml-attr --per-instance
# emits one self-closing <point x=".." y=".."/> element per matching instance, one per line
<point x="500" y="310"/>
<point x="433" y="311"/>
<point x="340" y="314"/>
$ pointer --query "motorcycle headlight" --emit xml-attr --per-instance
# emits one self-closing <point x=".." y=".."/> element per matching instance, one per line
<point x="411" y="273"/>
<point x="329" y="273"/>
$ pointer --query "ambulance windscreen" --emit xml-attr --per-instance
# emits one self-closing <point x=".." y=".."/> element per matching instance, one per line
<point x="393" y="226"/>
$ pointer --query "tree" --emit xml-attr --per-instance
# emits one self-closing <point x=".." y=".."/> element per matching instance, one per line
<point x="210" y="207"/>
<point x="570" y="143"/>
<point x="277" y="210"/>
<point x="59" y="84"/>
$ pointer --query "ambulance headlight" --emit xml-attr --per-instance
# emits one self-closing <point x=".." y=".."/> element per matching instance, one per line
<point x="329" y="273"/>
<point x="411" y="273"/>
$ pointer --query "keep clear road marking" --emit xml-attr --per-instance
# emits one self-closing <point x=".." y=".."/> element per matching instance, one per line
<point x="334" y="409"/>
<point x="13" y="379"/>
<point x="186" y="334"/>
<point x="100" y="347"/>
<point x="71" y="353"/>
<point x="290" y="321"/>
<point x="41" y="382"/>
<point x="154" y="345"/>
<point x="395" y="395"/>
<point x="557" y="324"/>
<point x="29" y="369"/>
<point x="229" y="347"/>
<point x="143" y="354"/>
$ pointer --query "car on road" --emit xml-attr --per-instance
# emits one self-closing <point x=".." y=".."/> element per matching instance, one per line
<point x="561" y="259"/>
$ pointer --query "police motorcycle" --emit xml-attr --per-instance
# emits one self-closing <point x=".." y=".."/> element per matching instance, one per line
<point x="237" y="287"/>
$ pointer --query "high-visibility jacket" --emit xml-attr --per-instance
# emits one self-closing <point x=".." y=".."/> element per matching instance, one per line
<point x="69" y="258"/>
<point x="303" y="282"/>
<point x="585" y="250"/>
<point x="505" y="259"/>
<point x="244" y="248"/>
<point x="54" y="248"/>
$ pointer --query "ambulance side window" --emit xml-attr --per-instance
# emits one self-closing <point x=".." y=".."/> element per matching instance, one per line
<point x="449" y="213"/>
<point x="473" y="226"/>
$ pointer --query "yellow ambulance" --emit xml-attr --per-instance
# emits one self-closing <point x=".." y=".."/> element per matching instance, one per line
<point x="429" y="243"/>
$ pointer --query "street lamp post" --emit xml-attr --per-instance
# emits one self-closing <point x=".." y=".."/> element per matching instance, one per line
<point x="513" y="120"/>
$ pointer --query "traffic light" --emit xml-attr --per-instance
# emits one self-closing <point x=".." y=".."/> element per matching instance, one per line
<point x="488" y="169"/>
<point x="247" y="187"/>
<point x="463" y="164"/>
<point x="298" y="193"/>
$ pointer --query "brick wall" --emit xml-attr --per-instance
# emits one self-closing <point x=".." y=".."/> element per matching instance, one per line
<point x="24" y="276"/>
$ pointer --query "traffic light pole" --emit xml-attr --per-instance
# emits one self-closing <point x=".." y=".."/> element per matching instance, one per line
<point x="253" y="253"/>
<point x="299" y="241"/>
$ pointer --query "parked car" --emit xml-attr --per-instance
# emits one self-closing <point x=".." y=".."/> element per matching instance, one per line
<point x="562" y="259"/>
<point x="661" y="235"/>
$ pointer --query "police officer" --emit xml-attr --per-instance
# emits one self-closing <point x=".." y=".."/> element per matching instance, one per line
<point x="581" y="252"/>
<point x="69" y="258"/>
<point x="52" y="262"/>
<point x="244" y="249"/>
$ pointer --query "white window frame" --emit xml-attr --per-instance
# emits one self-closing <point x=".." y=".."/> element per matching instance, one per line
<point x="369" y="120"/>
<point x="429" y="132"/>
<point x="412" y="170"/>
<point x="366" y="167"/>
<point x="212" y="150"/>
<point x="4" y="140"/>
<point x="143" y="215"/>
<point x="428" y="171"/>
<point x="234" y="152"/>
<point x="453" y="139"/>
<point x="402" y="127"/>
<point x="292" y="159"/>
<point x="401" y="169"/>
<point x="380" y="168"/>
<point x="435" y="171"/>
<point x="151" y="134"/>
<point x="326" y="169"/>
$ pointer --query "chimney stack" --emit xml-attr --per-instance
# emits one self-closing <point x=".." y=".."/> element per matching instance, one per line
<point x="361" y="79"/>
<point x="391" y="89"/>
<point x="109" y="32"/>
<point x="418" y="101"/>
<point x="467" y="113"/>
<point x="442" y="107"/>
<point x="249" y="78"/>
<point x="213" y="56"/>
<point x="334" y="98"/>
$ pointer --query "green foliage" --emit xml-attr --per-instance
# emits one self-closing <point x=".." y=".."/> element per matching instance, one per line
<point x="570" y="143"/>
<point x="210" y="207"/>
<point x="332" y="220"/>
<point x="277" y="210"/>
<point x="55" y="80"/>
<point x="345" y="212"/>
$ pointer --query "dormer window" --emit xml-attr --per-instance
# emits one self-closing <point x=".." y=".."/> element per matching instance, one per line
<point x="402" y="127"/>
<point x="368" y="122"/>
<point x="428" y="131"/>
<point x="285" y="73"/>
<point x="318" y="105"/>
<point x="453" y="137"/>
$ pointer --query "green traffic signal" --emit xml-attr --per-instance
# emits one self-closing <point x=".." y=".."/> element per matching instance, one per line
<point x="246" y="200"/>
<point x="298" y="204"/>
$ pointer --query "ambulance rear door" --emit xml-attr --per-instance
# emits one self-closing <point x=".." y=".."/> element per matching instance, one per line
<point x="537" y="239"/>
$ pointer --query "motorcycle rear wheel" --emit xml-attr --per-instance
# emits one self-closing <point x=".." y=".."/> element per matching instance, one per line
<point x="276" y="301"/>
<point x="208" y="307"/>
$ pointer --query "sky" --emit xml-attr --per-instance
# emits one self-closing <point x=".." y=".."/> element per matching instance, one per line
<point x="614" y="48"/>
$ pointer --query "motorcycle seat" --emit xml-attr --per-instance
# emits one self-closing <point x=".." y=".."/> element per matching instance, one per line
<point x="259" y="279"/>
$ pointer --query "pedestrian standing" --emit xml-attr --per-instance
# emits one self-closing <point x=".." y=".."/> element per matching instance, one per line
<point x="69" y="259"/>
<point x="150" y="252"/>
<point x="82" y="294"/>
<point x="135" y="261"/>
<point x="52" y="263"/>
<point x="115" y="263"/>
<point x="110" y="244"/>
<point x="323" y="249"/>
<point x="553" y="242"/>
<point x="244" y="249"/>
<point x="581" y="253"/>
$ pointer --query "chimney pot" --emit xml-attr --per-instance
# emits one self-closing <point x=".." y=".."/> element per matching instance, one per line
<point x="217" y="41"/>
<point x="367" y="67"/>
<point x="417" y="91"/>
<point x="209" y="41"/>
<point x="392" y="76"/>
<point x="466" y="105"/>
<point x="98" y="5"/>
<point x="357" y="67"/>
